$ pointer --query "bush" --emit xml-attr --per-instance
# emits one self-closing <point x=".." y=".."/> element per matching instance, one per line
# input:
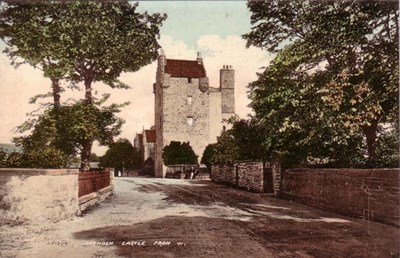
<point x="179" y="153"/>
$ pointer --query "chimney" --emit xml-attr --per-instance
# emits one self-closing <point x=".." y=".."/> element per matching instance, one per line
<point x="162" y="60"/>
<point x="199" y="59"/>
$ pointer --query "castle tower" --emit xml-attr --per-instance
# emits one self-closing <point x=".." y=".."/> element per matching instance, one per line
<point x="227" y="87"/>
<point x="186" y="108"/>
<point x="181" y="106"/>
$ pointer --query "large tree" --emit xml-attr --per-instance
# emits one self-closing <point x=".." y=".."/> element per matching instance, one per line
<point x="337" y="68"/>
<point x="28" y="30"/>
<point x="179" y="153"/>
<point x="88" y="42"/>
<point x="68" y="127"/>
<point x="121" y="155"/>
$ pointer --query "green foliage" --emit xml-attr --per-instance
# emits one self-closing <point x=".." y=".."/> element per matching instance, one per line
<point x="179" y="153"/>
<point x="63" y="131"/>
<point x="45" y="158"/>
<point x="208" y="155"/>
<point x="121" y="154"/>
<point x="94" y="157"/>
<point x="81" y="122"/>
<point x="82" y="42"/>
<point x="226" y="149"/>
<point x="334" y="79"/>
<point x="3" y="158"/>
<point x="15" y="160"/>
<point x="244" y="141"/>
<point x="388" y="153"/>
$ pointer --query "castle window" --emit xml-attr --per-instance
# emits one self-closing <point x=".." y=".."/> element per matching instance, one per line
<point x="189" y="121"/>
<point x="189" y="100"/>
<point x="189" y="80"/>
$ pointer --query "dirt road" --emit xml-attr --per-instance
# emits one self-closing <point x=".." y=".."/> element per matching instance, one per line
<point x="177" y="218"/>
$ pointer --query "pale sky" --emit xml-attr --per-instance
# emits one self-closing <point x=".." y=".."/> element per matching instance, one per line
<point x="213" y="28"/>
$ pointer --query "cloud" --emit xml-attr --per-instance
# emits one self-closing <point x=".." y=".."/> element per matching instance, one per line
<point x="18" y="85"/>
<point x="245" y="61"/>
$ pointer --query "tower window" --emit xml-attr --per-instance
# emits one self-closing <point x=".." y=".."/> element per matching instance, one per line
<point x="189" y="121"/>
<point x="189" y="100"/>
<point x="189" y="80"/>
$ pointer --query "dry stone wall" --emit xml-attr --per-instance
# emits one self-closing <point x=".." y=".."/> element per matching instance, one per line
<point x="371" y="194"/>
<point x="224" y="174"/>
<point x="250" y="176"/>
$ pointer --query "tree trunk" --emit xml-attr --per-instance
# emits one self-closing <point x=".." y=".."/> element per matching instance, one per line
<point x="85" y="155"/>
<point x="371" y="136"/>
<point x="55" y="84"/>
<point x="88" y="91"/>
<point x="87" y="145"/>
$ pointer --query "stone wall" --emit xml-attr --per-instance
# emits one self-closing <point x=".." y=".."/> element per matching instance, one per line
<point x="38" y="195"/>
<point x="365" y="193"/>
<point x="224" y="174"/>
<point x="43" y="195"/>
<point x="177" y="110"/>
<point x="250" y="176"/>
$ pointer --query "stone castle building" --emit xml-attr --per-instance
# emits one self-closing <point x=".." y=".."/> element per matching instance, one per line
<point x="145" y="142"/>
<point x="187" y="109"/>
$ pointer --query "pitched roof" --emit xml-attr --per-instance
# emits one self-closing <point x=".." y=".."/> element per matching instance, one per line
<point x="150" y="135"/>
<point x="185" y="69"/>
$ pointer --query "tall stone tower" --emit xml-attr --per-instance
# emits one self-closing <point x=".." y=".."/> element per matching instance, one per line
<point x="227" y="87"/>
<point x="187" y="109"/>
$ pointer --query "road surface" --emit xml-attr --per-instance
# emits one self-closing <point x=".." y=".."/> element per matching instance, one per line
<point x="181" y="218"/>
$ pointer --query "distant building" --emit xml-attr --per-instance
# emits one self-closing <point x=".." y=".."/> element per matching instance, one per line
<point x="145" y="142"/>
<point x="187" y="109"/>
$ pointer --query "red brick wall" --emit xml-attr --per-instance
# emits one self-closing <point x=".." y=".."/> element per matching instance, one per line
<point x="365" y="193"/>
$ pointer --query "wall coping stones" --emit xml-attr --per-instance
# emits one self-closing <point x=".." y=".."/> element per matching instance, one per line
<point x="37" y="172"/>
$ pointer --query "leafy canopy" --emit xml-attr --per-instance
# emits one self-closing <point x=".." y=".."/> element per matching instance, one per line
<point x="179" y="153"/>
<point x="121" y="154"/>
<point x="335" y="76"/>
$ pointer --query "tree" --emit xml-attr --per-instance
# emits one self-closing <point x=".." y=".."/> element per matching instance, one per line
<point x="121" y="154"/>
<point x="337" y="62"/>
<point x="179" y="153"/>
<point x="208" y="155"/>
<point x="388" y="148"/>
<point x="94" y="158"/>
<point x="3" y="158"/>
<point x="226" y="150"/>
<point x="93" y="41"/>
<point x="27" y="30"/>
<point x="66" y="129"/>
<point x="15" y="160"/>
<point x="243" y="142"/>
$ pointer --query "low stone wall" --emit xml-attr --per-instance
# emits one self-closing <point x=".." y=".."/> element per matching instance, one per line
<point x="38" y="195"/>
<point x="251" y="176"/>
<point x="224" y="174"/>
<point x="43" y="195"/>
<point x="372" y="194"/>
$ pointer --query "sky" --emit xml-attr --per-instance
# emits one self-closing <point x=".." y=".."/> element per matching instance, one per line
<point x="213" y="28"/>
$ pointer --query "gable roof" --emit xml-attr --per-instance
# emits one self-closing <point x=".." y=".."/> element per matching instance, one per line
<point x="150" y="135"/>
<point x="185" y="69"/>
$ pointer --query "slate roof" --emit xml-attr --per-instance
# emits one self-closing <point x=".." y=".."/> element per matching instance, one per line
<point x="150" y="135"/>
<point x="185" y="69"/>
